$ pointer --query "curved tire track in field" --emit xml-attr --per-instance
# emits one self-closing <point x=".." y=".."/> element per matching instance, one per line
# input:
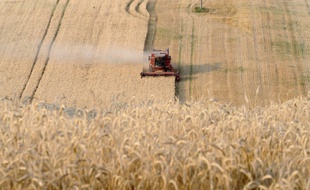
<point x="150" y="36"/>
<point x="41" y="64"/>
<point x="39" y="49"/>
<point x="128" y="6"/>
<point x="138" y="8"/>
<point x="133" y="8"/>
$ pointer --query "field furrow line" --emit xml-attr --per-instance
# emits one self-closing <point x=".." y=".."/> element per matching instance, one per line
<point x="291" y="35"/>
<point x="180" y="45"/>
<point x="150" y="36"/>
<point x="178" y="94"/>
<point x="192" y="46"/>
<point x="297" y="34"/>
<point x="182" y="64"/>
<point x="255" y="44"/>
<point x="268" y="39"/>
<point x="299" y="44"/>
<point x="38" y="50"/>
<point x="266" y="24"/>
<point x="191" y="57"/>
<point x="51" y="45"/>
<point x="229" y="78"/>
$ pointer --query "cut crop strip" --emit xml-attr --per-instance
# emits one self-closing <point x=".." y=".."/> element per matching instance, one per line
<point x="150" y="36"/>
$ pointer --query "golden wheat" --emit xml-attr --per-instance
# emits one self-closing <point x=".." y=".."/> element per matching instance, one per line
<point x="155" y="145"/>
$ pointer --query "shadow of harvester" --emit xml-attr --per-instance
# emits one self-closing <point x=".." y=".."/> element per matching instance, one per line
<point x="187" y="72"/>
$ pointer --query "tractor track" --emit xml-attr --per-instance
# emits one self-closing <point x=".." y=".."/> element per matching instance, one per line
<point x="291" y="35"/>
<point x="192" y="42"/>
<point x="50" y="46"/>
<point x="308" y="7"/>
<point x="128" y="6"/>
<point x="137" y="8"/>
<point x="151" y="31"/>
<point x="268" y="44"/>
<point x="133" y="9"/>
<point x="180" y="48"/>
<point x="39" y="49"/>
<point x="229" y="79"/>
<point x="256" y="50"/>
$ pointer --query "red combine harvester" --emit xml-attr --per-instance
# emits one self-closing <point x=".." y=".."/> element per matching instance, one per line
<point x="160" y="65"/>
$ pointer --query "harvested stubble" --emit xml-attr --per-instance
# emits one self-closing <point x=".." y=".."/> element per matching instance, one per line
<point x="156" y="145"/>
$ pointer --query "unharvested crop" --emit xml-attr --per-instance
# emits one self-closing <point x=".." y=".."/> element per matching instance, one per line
<point x="155" y="145"/>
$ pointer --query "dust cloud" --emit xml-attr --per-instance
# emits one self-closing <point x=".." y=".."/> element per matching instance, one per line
<point x="90" y="54"/>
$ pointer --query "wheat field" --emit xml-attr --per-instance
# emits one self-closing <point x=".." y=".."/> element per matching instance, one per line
<point x="75" y="113"/>
<point x="62" y="50"/>
<point x="155" y="145"/>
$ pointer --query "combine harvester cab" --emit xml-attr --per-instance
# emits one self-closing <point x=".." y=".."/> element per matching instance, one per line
<point x="160" y="65"/>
